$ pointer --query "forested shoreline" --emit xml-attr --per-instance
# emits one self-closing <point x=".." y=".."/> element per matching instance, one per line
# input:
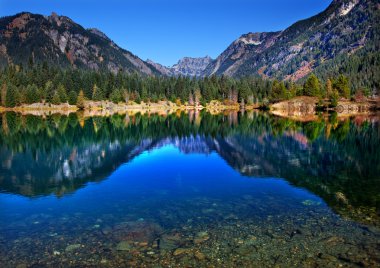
<point x="45" y="84"/>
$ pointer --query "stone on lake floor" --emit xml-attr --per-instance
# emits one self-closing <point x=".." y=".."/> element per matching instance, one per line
<point x="199" y="255"/>
<point x="310" y="203"/>
<point x="341" y="198"/>
<point x="201" y="237"/>
<point x="72" y="247"/>
<point x="136" y="231"/>
<point x="106" y="230"/>
<point x="167" y="245"/>
<point x="103" y="261"/>
<point x="207" y="210"/>
<point x="124" y="246"/>
<point x="231" y="217"/>
<point x="180" y="251"/>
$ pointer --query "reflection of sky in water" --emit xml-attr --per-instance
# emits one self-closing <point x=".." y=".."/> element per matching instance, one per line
<point x="161" y="175"/>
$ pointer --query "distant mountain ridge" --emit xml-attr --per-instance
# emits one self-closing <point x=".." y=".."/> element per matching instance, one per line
<point x="60" y="41"/>
<point x="186" y="66"/>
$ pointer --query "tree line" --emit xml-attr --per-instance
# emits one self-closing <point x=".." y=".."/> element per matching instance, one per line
<point x="46" y="84"/>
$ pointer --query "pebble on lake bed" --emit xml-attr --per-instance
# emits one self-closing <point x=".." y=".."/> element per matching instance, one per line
<point x="124" y="246"/>
<point x="310" y="203"/>
<point x="72" y="247"/>
<point x="201" y="237"/>
<point x="199" y="255"/>
<point x="180" y="251"/>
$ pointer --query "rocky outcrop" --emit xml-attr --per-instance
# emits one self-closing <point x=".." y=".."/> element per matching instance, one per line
<point x="298" y="104"/>
<point x="304" y="108"/>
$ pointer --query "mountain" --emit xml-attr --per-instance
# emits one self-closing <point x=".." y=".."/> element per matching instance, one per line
<point x="343" y="39"/>
<point x="60" y="41"/>
<point x="186" y="66"/>
<point x="191" y="66"/>
<point x="347" y="31"/>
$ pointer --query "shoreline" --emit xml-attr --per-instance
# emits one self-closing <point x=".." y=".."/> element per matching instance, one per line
<point x="299" y="108"/>
<point x="107" y="107"/>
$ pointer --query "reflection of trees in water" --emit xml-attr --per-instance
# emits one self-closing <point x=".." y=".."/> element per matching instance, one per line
<point x="335" y="159"/>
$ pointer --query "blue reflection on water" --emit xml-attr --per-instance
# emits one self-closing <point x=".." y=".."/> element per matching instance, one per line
<point x="160" y="176"/>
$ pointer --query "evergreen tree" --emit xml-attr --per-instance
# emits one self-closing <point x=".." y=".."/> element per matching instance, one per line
<point x="342" y="85"/>
<point x="49" y="91"/>
<point x="126" y="95"/>
<point x="72" y="97"/>
<point x="197" y="97"/>
<point x="312" y="86"/>
<point x="334" y="98"/>
<point x="3" y="94"/>
<point x="56" y="100"/>
<point x="12" y="97"/>
<point x="329" y="88"/>
<point x="243" y="92"/>
<point x="97" y="93"/>
<point x="80" y="100"/>
<point x="292" y="90"/>
<point x="31" y="94"/>
<point x="144" y="93"/>
<point x="62" y="93"/>
<point x="116" y="96"/>
<point x="278" y="91"/>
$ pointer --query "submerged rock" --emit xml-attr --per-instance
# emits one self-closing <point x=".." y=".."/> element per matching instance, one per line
<point x="201" y="237"/>
<point x="180" y="251"/>
<point x="136" y="231"/>
<point x="124" y="246"/>
<point x="309" y="202"/>
<point x="199" y="255"/>
<point x="169" y="242"/>
<point x="341" y="198"/>
<point x="72" y="247"/>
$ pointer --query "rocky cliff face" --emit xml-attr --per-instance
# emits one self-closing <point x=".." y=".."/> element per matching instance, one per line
<point x="60" y="41"/>
<point x="191" y="66"/>
<point x="345" y="28"/>
<point x="235" y="55"/>
<point x="186" y="67"/>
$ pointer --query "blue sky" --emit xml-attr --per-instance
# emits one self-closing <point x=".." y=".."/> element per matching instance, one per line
<point x="167" y="30"/>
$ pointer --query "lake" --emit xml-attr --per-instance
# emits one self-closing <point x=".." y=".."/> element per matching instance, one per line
<point x="189" y="189"/>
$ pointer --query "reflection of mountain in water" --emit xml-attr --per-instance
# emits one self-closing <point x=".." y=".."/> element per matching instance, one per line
<point x="64" y="170"/>
<point x="337" y="160"/>
<point x="191" y="144"/>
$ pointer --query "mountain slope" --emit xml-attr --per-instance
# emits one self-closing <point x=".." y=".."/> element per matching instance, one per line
<point x="345" y="28"/>
<point x="185" y="67"/>
<point x="60" y="41"/>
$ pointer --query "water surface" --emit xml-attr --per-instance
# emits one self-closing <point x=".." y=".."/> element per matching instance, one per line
<point x="198" y="190"/>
